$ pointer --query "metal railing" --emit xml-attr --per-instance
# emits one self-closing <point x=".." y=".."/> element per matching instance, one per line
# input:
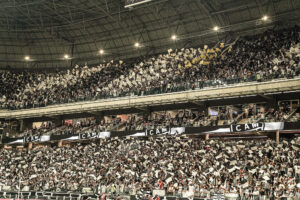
<point x="197" y="94"/>
<point x="43" y="195"/>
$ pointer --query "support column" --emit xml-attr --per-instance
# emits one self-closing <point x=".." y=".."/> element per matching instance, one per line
<point x="273" y="103"/>
<point x="25" y="124"/>
<point x="58" y="121"/>
<point x="30" y="145"/>
<point x="99" y="117"/>
<point x="206" y="111"/>
<point x="59" y="144"/>
<point x="1" y="135"/>
<point x="230" y="113"/>
<point x="246" y="110"/>
<point x="101" y="141"/>
<point x="147" y="113"/>
<point x="206" y="136"/>
<point x="21" y="122"/>
<point x="277" y="137"/>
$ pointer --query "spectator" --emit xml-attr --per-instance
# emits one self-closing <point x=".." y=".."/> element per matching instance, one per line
<point x="180" y="165"/>
<point x="271" y="55"/>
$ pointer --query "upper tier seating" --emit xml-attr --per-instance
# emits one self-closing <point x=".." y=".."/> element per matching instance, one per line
<point x="271" y="55"/>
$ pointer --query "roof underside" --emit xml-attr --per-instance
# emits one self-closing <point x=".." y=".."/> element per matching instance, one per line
<point x="45" y="30"/>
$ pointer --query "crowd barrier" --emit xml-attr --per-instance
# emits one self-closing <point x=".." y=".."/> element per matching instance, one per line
<point x="34" y="195"/>
<point x="179" y="87"/>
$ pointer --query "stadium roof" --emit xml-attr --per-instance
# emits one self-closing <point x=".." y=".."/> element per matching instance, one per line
<point x="55" y="33"/>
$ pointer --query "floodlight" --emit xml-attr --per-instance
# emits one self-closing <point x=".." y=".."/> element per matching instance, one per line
<point x="216" y="28"/>
<point x="136" y="44"/>
<point x="265" y="18"/>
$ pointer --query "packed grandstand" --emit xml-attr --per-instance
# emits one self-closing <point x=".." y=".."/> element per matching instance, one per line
<point x="56" y="142"/>
<point x="264" y="57"/>
<point x="176" y="165"/>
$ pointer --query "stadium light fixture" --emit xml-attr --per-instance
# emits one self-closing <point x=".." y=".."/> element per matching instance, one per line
<point x="216" y="28"/>
<point x="101" y="51"/>
<point x="137" y="44"/>
<point x="66" y="56"/>
<point x="265" y="18"/>
<point x="27" y="58"/>
<point x="174" y="37"/>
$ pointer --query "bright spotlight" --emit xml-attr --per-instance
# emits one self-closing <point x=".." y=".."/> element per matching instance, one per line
<point x="136" y="44"/>
<point x="66" y="56"/>
<point x="216" y="28"/>
<point x="27" y="58"/>
<point x="101" y="51"/>
<point x="265" y="18"/>
<point x="174" y="37"/>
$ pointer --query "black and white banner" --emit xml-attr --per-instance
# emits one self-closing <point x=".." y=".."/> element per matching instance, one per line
<point x="237" y="128"/>
<point x="27" y="139"/>
<point x="84" y="136"/>
<point x="46" y="138"/>
<point x="161" y="131"/>
<point x="260" y="126"/>
<point x="247" y="127"/>
<point x="37" y="138"/>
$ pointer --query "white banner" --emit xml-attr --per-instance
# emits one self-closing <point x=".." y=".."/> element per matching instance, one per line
<point x="260" y="126"/>
<point x="83" y="136"/>
<point x="94" y="135"/>
<point x="37" y="138"/>
<point x="160" y="131"/>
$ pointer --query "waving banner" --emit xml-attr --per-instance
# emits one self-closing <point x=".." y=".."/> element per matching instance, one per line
<point x="247" y="127"/>
<point x="161" y="131"/>
<point x="236" y="128"/>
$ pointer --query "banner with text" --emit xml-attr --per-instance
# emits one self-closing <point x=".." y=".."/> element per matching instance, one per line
<point x="260" y="126"/>
<point x="236" y="128"/>
<point x="160" y="131"/>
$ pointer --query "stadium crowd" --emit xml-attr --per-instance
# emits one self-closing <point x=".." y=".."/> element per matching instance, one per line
<point x="178" y="165"/>
<point x="167" y="119"/>
<point x="271" y="55"/>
